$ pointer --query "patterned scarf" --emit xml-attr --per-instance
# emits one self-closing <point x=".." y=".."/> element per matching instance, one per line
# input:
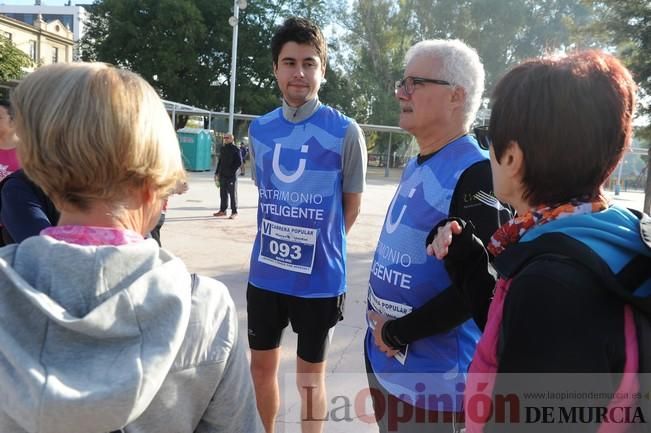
<point x="512" y="231"/>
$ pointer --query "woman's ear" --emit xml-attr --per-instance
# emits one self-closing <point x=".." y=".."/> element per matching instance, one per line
<point x="513" y="166"/>
<point x="148" y="193"/>
<point x="513" y="161"/>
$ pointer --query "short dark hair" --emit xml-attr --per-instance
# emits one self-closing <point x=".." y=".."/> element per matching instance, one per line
<point x="572" y="117"/>
<point x="7" y="106"/>
<point x="301" y="31"/>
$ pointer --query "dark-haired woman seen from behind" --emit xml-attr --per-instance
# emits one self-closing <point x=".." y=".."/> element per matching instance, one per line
<point x="559" y="126"/>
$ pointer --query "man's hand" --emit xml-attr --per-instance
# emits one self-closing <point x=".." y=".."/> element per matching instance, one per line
<point x="443" y="240"/>
<point x="378" y="321"/>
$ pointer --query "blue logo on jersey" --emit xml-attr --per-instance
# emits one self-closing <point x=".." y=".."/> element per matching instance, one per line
<point x="288" y="178"/>
<point x="391" y="225"/>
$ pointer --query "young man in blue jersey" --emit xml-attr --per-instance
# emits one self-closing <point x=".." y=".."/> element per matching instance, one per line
<point x="309" y="163"/>
<point x="421" y="338"/>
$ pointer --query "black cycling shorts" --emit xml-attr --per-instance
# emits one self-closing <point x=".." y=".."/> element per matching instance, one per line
<point x="311" y="318"/>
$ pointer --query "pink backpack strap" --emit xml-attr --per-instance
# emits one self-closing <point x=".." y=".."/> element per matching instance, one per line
<point x="483" y="369"/>
<point x="629" y="385"/>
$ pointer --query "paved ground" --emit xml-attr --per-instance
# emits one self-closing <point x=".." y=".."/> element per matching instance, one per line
<point x="220" y="248"/>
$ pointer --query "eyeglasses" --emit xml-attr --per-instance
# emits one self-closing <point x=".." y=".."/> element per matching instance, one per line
<point x="408" y="83"/>
<point x="483" y="137"/>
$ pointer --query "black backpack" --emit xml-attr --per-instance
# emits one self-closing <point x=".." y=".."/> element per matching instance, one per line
<point x="623" y="284"/>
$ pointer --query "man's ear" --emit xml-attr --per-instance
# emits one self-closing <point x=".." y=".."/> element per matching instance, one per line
<point x="275" y="68"/>
<point x="458" y="96"/>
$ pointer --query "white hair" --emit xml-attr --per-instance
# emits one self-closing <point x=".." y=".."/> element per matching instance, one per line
<point x="461" y="66"/>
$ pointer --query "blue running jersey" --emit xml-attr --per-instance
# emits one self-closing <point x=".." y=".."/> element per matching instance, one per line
<point x="403" y="278"/>
<point x="300" y="248"/>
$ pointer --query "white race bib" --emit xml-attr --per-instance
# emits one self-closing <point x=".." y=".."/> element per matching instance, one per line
<point x="288" y="247"/>
<point x="393" y="310"/>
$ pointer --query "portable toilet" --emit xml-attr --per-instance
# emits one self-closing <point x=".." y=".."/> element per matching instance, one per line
<point x="195" y="148"/>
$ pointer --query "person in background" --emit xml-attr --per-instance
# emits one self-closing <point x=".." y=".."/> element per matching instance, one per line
<point x="102" y="330"/>
<point x="155" y="232"/>
<point x="8" y="141"/>
<point x="25" y="209"/>
<point x="309" y="164"/>
<point x="420" y="338"/>
<point x="182" y="188"/>
<point x="8" y="157"/>
<point x="244" y="153"/>
<point x="229" y="162"/>
<point x="215" y="148"/>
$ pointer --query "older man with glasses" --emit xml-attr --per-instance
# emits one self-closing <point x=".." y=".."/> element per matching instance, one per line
<point x="421" y="337"/>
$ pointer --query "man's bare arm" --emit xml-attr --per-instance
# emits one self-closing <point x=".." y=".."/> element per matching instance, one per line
<point x="352" y="205"/>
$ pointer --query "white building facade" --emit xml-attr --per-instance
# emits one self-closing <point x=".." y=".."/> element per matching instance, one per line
<point x="70" y="17"/>
<point x="43" y="42"/>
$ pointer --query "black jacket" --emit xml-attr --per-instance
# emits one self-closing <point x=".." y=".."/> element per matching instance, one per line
<point x="229" y="161"/>
<point x="550" y="296"/>
<point x="25" y="210"/>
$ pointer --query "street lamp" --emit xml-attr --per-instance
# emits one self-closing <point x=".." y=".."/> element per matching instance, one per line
<point x="233" y="21"/>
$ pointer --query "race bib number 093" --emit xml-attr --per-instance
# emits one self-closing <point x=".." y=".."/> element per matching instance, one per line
<point x="287" y="247"/>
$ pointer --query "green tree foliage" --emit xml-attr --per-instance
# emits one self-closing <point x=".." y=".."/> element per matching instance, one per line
<point x="337" y="91"/>
<point x="12" y="61"/>
<point x="183" y="47"/>
<point x="626" y="25"/>
<point x="504" y="32"/>
<point x="177" y="45"/>
<point x="377" y="42"/>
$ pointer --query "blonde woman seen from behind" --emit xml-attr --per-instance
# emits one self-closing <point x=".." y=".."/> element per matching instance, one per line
<point x="101" y="329"/>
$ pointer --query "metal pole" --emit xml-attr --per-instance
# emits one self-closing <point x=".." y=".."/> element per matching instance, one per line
<point x="386" y="166"/>
<point x="618" y="185"/>
<point x="231" y="110"/>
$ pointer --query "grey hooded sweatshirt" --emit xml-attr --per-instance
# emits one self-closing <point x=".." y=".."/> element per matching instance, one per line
<point x="98" y="338"/>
